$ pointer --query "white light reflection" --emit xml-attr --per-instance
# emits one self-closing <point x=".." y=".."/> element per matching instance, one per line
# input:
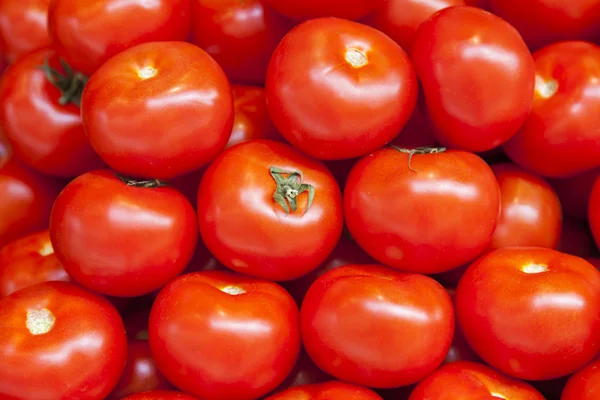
<point x="123" y="213"/>
<point x="248" y="327"/>
<point x="492" y="54"/>
<point x="207" y="97"/>
<point x="448" y="187"/>
<point x="89" y="343"/>
<point x="395" y="310"/>
<point x="559" y="300"/>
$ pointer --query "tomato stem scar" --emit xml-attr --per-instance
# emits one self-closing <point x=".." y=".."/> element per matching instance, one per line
<point x="418" y="150"/>
<point x="356" y="58"/>
<point x="289" y="185"/>
<point x="40" y="322"/>
<point x="233" y="290"/>
<point x="146" y="184"/>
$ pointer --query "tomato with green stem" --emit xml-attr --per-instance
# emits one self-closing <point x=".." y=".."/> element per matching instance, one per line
<point x="23" y="27"/>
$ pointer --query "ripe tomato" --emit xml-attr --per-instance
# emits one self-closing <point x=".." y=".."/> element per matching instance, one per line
<point x="301" y="10"/>
<point x="333" y="390"/>
<point x="160" y="395"/>
<point x="23" y="27"/>
<point x="584" y="385"/>
<point x="574" y="192"/>
<point x="45" y="132"/>
<point x="240" y="35"/>
<point x="561" y="136"/>
<point x="70" y="342"/>
<point x="28" y="261"/>
<point x="469" y="380"/>
<point x="542" y="22"/>
<point x="255" y="215"/>
<point x="89" y="32"/>
<point x="531" y="213"/>
<point x="324" y="88"/>
<point x="119" y="239"/>
<point x="250" y="336"/>
<point x="171" y="113"/>
<point x="575" y="238"/>
<point x="477" y="75"/>
<point x="423" y="213"/>
<point x="594" y="211"/>
<point x="405" y="330"/>
<point x="26" y="200"/>
<point x="531" y="313"/>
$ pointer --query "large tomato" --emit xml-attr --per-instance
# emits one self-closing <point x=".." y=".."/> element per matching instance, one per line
<point x="376" y="327"/>
<point x="160" y="395"/>
<point x="594" y="211"/>
<point x="170" y="113"/>
<point x="531" y="213"/>
<point x="574" y="192"/>
<point x="28" y="261"/>
<point x="478" y="77"/>
<point x="333" y="390"/>
<point x="120" y="238"/>
<point x="240" y="35"/>
<point x="224" y="336"/>
<point x="324" y="88"/>
<point x="561" y="136"/>
<point x="468" y="380"/>
<point x="584" y="385"/>
<point x="269" y="211"/>
<point x="23" y="27"/>
<point x="531" y="313"/>
<point x="308" y="9"/>
<point x="89" y="32"/>
<point x="43" y="124"/>
<point x="59" y="341"/>
<point x="423" y="213"/>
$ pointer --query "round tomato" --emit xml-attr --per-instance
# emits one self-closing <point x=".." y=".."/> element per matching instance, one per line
<point x="324" y="88"/>
<point x="574" y="192"/>
<point x="333" y="390"/>
<point x="59" y="341"/>
<point x="160" y="395"/>
<point x="240" y="35"/>
<point x="477" y="75"/>
<point x="43" y="124"/>
<point x="531" y="313"/>
<point x="423" y="213"/>
<point x="249" y="339"/>
<point x="171" y="113"/>
<point x="584" y="385"/>
<point x="594" y="211"/>
<point x="376" y="327"/>
<point x="23" y="27"/>
<point x="531" y="213"/>
<point x="468" y="380"/>
<point x="269" y="211"/>
<point x="89" y="32"/>
<point x="119" y="238"/>
<point x="28" y="261"/>
<point x="308" y="9"/>
<point x="561" y="136"/>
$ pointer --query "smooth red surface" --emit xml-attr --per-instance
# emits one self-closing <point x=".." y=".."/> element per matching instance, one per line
<point x="160" y="395"/>
<point x="249" y="343"/>
<point x="308" y="9"/>
<point x="594" y="211"/>
<point x="23" y="27"/>
<point x="584" y="385"/>
<point x="574" y="192"/>
<point x="333" y="390"/>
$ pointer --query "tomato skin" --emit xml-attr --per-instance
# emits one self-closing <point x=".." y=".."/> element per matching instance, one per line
<point x="240" y="35"/>
<point x="29" y="261"/>
<point x="160" y="395"/>
<point x="388" y="348"/>
<point x="23" y="27"/>
<point x="561" y="136"/>
<point x="466" y="47"/>
<point x="45" y="134"/>
<point x="594" y="211"/>
<point x="536" y="325"/>
<point x="348" y="120"/>
<point x="141" y="235"/>
<point x="87" y="33"/>
<point x="82" y="319"/>
<point x="160" y="126"/>
<point x="258" y="328"/>
<point x="584" y="385"/>
<point x="301" y="10"/>
<point x="333" y="390"/>
<point x="469" y="380"/>
<point x="531" y="213"/>
<point x="247" y="231"/>
<point x="449" y="208"/>
<point x="574" y="192"/>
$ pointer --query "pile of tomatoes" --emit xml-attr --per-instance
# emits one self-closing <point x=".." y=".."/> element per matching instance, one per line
<point x="299" y="199"/>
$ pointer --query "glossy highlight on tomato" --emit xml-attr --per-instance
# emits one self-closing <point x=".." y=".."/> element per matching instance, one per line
<point x="23" y="27"/>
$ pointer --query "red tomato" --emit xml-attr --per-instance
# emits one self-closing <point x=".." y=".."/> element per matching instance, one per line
<point x="25" y="202"/>
<point x="542" y="22"/>
<point x="89" y="32"/>
<point x="531" y="213"/>
<point x="162" y="119"/>
<point x="333" y="390"/>
<point x="376" y="327"/>
<point x="561" y="136"/>
<point x="240" y="35"/>
<point x="28" y="261"/>
<point x="477" y="75"/>
<point x="308" y="9"/>
<point x="324" y="88"/>
<point x="59" y="341"/>
<point x="594" y="211"/>
<point x="575" y="238"/>
<point x="574" y="193"/>
<point x="416" y="133"/>
<point x="423" y="213"/>
<point x="399" y="19"/>
<point x="254" y="211"/>
<point x="531" y="313"/>
<point x="249" y="339"/>
<point x="23" y="27"/>
<point x="160" y="395"/>
<point x="584" y="385"/>
<point x="44" y="132"/>
<point x="469" y="380"/>
<point x="305" y="372"/>
<point x="119" y="239"/>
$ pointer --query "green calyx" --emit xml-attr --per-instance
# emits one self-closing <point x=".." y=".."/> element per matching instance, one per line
<point x="418" y="150"/>
<point x="70" y="84"/>
<point x="146" y="184"/>
<point x="289" y="185"/>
